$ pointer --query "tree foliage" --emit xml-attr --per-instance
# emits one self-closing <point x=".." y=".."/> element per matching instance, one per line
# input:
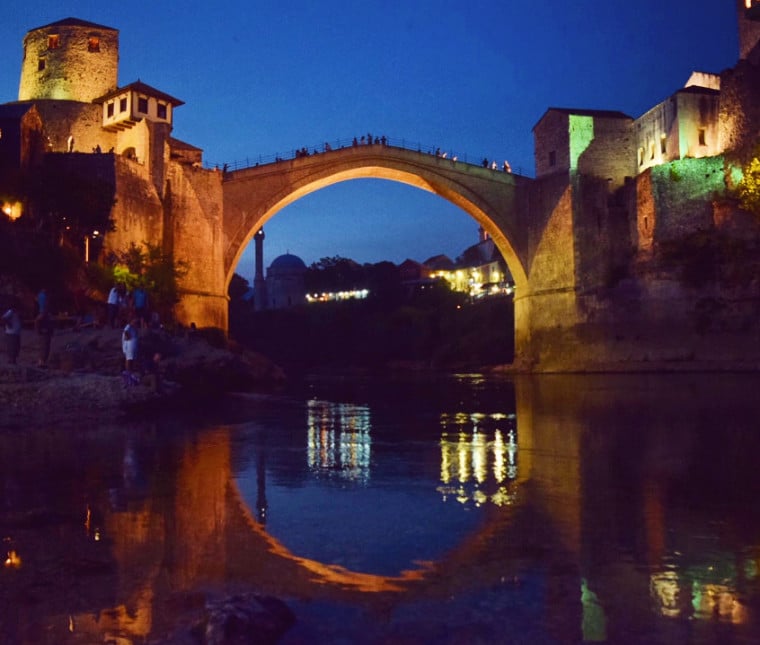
<point x="157" y="272"/>
<point x="748" y="189"/>
<point x="70" y="201"/>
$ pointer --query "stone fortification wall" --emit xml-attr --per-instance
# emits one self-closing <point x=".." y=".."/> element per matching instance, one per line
<point x="69" y="61"/>
<point x="621" y="299"/>
<point x="677" y="199"/>
<point x="603" y="243"/>
<point x="194" y="233"/>
<point x="138" y="213"/>
<point x="739" y="119"/>
<point x="610" y="154"/>
<point x="82" y="121"/>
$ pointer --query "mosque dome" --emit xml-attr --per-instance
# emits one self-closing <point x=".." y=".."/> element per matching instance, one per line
<point x="287" y="263"/>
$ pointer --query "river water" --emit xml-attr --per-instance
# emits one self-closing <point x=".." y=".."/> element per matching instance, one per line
<point x="448" y="509"/>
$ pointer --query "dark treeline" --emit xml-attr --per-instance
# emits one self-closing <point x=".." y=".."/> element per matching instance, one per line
<point x="432" y="327"/>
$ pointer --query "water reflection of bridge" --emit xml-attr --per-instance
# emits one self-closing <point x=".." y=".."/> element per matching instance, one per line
<point x="203" y="534"/>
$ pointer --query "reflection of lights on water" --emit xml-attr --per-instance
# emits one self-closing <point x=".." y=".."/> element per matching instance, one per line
<point x="717" y="601"/>
<point x="477" y="463"/>
<point x="12" y="561"/>
<point x="594" y="624"/>
<point x="338" y="439"/>
<point x="663" y="587"/>
<point x="709" y="601"/>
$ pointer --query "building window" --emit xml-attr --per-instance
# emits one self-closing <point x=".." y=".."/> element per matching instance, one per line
<point x="123" y="104"/>
<point x="40" y="64"/>
<point x="142" y="104"/>
<point x="651" y="150"/>
<point x="553" y="158"/>
<point x="109" y="109"/>
<point x="161" y="110"/>
<point x="54" y="41"/>
<point x="641" y="156"/>
<point x="663" y="144"/>
<point x="702" y="137"/>
<point x="93" y="44"/>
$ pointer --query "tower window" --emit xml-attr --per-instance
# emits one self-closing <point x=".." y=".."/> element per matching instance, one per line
<point x="40" y="64"/>
<point x="142" y="104"/>
<point x="54" y="41"/>
<point x="93" y="44"/>
<point x="161" y="110"/>
<point x="663" y="144"/>
<point x="553" y="158"/>
<point x="702" y="141"/>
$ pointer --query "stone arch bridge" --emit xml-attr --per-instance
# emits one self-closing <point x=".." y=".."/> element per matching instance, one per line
<point x="529" y="220"/>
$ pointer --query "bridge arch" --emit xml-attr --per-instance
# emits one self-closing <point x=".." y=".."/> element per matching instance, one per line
<point x="253" y="196"/>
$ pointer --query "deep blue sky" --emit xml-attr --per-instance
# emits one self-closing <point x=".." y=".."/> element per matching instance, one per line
<point x="472" y="77"/>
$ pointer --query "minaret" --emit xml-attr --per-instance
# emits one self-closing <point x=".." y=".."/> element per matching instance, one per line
<point x="259" y="283"/>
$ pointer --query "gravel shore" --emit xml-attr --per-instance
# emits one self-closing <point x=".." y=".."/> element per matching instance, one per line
<point x="84" y="378"/>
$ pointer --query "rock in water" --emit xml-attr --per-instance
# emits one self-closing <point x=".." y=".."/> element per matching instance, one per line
<point x="245" y="619"/>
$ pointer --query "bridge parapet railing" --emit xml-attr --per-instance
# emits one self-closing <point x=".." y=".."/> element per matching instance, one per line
<point x="340" y="144"/>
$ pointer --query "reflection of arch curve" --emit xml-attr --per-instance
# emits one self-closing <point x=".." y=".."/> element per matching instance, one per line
<point x="255" y="195"/>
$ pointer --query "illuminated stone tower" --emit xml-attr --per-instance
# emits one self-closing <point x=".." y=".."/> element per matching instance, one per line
<point x="749" y="28"/>
<point x="69" y="60"/>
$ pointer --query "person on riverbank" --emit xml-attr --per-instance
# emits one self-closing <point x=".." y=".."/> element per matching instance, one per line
<point x="44" y="325"/>
<point x="140" y="302"/>
<point x="129" y="344"/>
<point x="12" y="321"/>
<point x="113" y="306"/>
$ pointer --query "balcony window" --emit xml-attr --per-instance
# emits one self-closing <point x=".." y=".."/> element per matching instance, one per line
<point x="109" y="109"/>
<point x="123" y="104"/>
<point x="142" y="104"/>
<point x="161" y="110"/>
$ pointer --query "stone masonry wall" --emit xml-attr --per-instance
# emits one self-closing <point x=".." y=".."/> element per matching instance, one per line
<point x="138" y="211"/>
<point x="611" y="153"/>
<point x="739" y="118"/>
<point x="80" y="120"/>
<point x="551" y="136"/>
<point x="194" y="232"/>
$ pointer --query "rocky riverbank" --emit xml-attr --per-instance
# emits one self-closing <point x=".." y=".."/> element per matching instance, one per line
<point x="84" y="379"/>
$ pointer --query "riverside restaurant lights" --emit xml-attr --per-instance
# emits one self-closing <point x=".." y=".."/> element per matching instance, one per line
<point x="354" y="294"/>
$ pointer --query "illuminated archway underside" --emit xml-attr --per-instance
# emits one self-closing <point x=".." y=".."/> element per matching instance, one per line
<point x="255" y="195"/>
